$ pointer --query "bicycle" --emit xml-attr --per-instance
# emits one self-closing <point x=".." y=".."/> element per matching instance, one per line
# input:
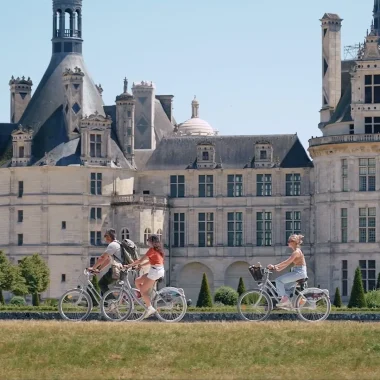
<point x="257" y="304"/>
<point x="76" y="304"/>
<point x="169" y="302"/>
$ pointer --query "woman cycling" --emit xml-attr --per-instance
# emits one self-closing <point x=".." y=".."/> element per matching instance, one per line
<point x="288" y="280"/>
<point x="155" y="258"/>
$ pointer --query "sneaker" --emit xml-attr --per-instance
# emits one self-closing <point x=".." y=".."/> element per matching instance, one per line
<point x="284" y="304"/>
<point x="151" y="310"/>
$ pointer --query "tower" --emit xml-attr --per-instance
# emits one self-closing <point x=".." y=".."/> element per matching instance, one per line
<point x="376" y="16"/>
<point x="67" y="26"/>
<point x="125" y="122"/>
<point x="145" y="95"/>
<point x="21" y="93"/>
<point x="331" y="64"/>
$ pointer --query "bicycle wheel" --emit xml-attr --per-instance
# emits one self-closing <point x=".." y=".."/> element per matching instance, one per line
<point x="313" y="305"/>
<point x="116" y="305"/>
<point x="75" y="305"/>
<point x="254" y="305"/>
<point x="170" y="304"/>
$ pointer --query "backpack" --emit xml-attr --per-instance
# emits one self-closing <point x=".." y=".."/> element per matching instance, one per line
<point x="129" y="252"/>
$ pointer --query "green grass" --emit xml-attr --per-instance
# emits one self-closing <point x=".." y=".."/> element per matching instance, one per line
<point x="273" y="350"/>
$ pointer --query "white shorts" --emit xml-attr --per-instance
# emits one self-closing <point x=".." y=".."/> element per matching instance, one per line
<point x="156" y="272"/>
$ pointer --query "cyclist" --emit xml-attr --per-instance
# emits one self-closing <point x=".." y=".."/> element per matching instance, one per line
<point x="288" y="280"/>
<point x="155" y="258"/>
<point x="106" y="259"/>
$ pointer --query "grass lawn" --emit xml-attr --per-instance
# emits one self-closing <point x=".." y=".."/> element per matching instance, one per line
<point x="107" y="351"/>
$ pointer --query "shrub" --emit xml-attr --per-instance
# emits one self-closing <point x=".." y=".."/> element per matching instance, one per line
<point x="226" y="295"/>
<point x="373" y="299"/>
<point x="204" y="298"/>
<point x="18" y="301"/>
<point x="337" y="298"/>
<point x="95" y="282"/>
<point x="51" y="302"/>
<point x="357" y="298"/>
<point x="241" y="287"/>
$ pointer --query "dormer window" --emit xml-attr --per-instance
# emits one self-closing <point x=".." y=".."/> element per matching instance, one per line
<point x="95" y="134"/>
<point x="263" y="154"/>
<point x="206" y="155"/>
<point x="22" y="146"/>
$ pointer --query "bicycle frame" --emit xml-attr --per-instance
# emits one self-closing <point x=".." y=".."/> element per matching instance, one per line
<point x="89" y="287"/>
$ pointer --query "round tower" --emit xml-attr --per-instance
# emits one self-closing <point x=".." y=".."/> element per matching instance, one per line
<point x="67" y="26"/>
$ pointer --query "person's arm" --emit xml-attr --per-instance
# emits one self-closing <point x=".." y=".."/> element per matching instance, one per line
<point x="140" y="261"/>
<point x="287" y="262"/>
<point x="102" y="262"/>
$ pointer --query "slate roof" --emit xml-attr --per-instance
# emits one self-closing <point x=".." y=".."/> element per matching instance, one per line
<point x="5" y="140"/>
<point x="178" y="153"/>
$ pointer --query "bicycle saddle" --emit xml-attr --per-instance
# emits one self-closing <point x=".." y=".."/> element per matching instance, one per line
<point x="302" y="281"/>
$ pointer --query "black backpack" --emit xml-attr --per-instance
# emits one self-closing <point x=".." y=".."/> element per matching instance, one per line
<point x="129" y="251"/>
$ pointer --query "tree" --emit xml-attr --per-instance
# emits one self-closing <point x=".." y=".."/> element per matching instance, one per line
<point x="204" y="298"/>
<point x="378" y="282"/>
<point x="18" y="287"/>
<point x="36" y="274"/>
<point x="337" y="298"/>
<point x="241" y="287"/>
<point x="357" y="298"/>
<point x="5" y="275"/>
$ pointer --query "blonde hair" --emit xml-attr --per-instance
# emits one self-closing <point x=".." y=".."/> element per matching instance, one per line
<point x="297" y="239"/>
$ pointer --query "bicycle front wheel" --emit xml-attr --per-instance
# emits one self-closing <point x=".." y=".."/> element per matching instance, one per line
<point x="313" y="305"/>
<point x="254" y="305"/>
<point x="170" y="304"/>
<point x="116" y="305"/>
<point x="75" y="305"/>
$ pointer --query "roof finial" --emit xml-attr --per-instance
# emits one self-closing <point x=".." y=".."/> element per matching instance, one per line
<point x="125" y="85"/>
<point x="195" y="108"/>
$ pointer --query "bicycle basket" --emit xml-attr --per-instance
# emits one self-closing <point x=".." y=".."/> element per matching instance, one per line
<point x="256" y="272"/>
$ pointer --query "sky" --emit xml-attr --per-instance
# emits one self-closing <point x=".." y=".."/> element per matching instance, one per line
<point x="255" y="66"/>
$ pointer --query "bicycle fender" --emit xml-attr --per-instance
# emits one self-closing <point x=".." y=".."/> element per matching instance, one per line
<point x="318" y="290"/>
<point x="171" y="288"/>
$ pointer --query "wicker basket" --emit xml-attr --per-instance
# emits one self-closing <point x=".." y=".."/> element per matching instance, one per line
<point x="256" y="272"/>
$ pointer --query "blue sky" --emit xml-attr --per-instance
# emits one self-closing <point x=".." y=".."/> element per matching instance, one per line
<point x="255" y="66"/>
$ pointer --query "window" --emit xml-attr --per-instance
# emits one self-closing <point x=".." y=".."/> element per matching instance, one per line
<point x="235" y="185"/>
<point x="264" y="185"/>
<point x="367" y="174"/>
<point x="63" y="278"/>
<point x="367" y="225"/>
<point x="205" y="156"/>
<point x="344" y="175"/>
<point x="235" y="229"/>
<point x="124" y="233"/>
<point x="21" y="152"/>
<point x="20" y="216"/>
<point x="264" y="229"/>
<point x="352" y="129"/>
<point x="96" y="213"/>
<point x="372" y="88"/>
<point x="95" y="145"/>
<point x="206" y="186"/>
<point x="293" y="223"/>
<point x="206" y="229"/>
<point x="95" y="238"/>
<point x="20" y="189"/>
<point x="177" y="186"/>
<point x="147" y="233"/>
<point x="343" y="225"/>
<point x="96" y="183"/>
<point x="159" y="234"/>
<point x="344" y="278"/>
<point x="372" y="125"/>
<point x="20" y="239"/>
<point x="179" y="230"/>
<point x="63" y="225"/>
<point x="368" y="269"/>
<point x="263" y="154"/>
<point x="93" y="261"/>
<point x="146" y="192"/>
<point x="293" y="184"/>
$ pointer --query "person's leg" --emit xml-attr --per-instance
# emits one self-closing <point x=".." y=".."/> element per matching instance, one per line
<point x="286" y="282"/>
<point x="105" y="281"/>
<point x="145" y="291"/>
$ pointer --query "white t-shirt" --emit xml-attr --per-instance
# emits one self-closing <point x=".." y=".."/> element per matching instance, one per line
<point x="114" y="249"/>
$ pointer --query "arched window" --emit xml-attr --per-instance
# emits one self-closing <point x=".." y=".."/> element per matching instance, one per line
<point x="147" y="233"/>
<point x="124" y="233"/>
<point x="159" y="234"/>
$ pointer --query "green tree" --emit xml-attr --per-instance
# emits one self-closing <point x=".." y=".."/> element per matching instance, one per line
<point x="357" y="298"/>
<point x="204" y="298"/>
<point x="5" y="275"/>
<point x="36" y="273"/>
<point x="337" y="298"/>
<point x="18" y="286"/>
<point x="95" y="282"/>
<point x="378" y="282"/>
<point x="241" y="287"/>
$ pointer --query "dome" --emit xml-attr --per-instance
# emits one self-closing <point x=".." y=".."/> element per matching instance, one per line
<point x="195" y="125"/>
